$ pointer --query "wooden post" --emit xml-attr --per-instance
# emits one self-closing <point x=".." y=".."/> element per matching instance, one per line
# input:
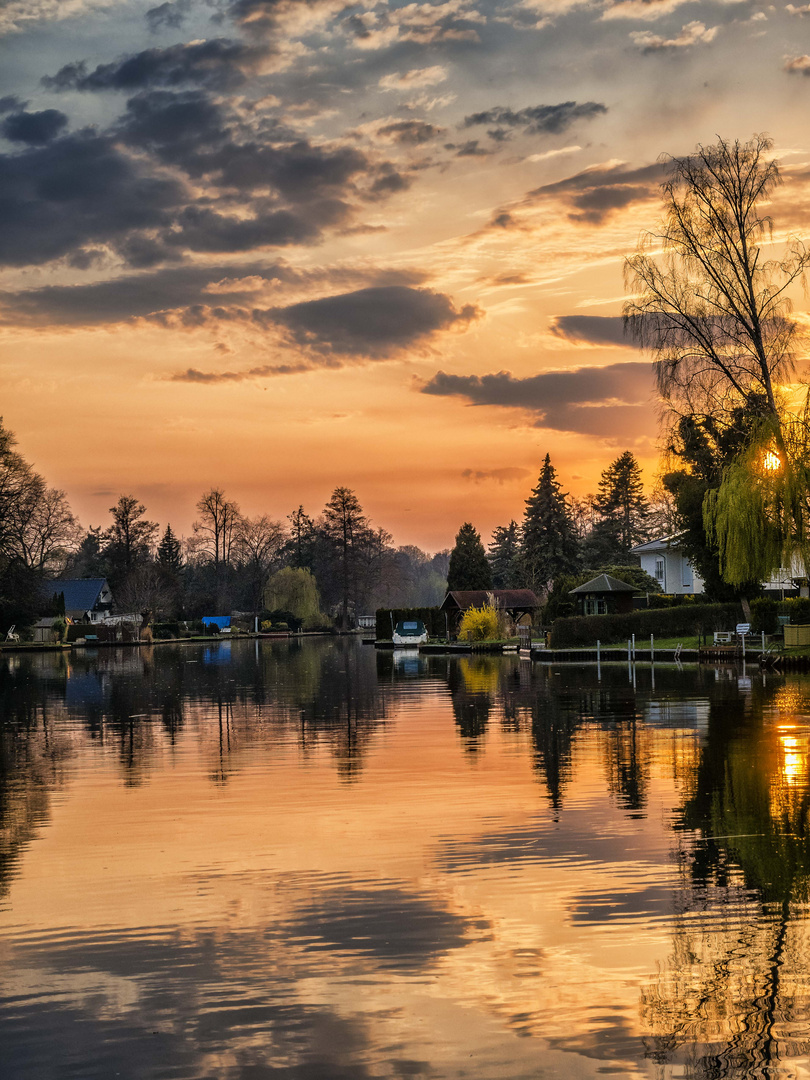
<point x="652" y="648"/>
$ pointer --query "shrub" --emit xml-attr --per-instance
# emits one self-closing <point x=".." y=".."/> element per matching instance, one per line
<point x="686" y="620"/>
<point x="798" y="608"/>
<point x="479" y="624"/>
<point x="764" y="615"/>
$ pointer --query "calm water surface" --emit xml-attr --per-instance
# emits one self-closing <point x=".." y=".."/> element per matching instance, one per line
<point x="311" y="861"/>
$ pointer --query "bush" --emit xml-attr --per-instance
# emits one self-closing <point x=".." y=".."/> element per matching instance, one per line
<point x="161" y="631"/>
<point x="686" y="620"/>
<point x="764" y="615"/>
<point x="669" y="600"/>
<point x="798" y="608"/>
<point x="480" y="624"/>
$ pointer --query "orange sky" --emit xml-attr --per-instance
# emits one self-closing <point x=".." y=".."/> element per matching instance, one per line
<point x="283" y="246"/>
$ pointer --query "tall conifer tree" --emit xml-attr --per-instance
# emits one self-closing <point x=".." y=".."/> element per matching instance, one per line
<point x="469" y="568"/>
<point x="549" y="536"/>
<point x="504" y="556"/>
<point x="621" y="500"/>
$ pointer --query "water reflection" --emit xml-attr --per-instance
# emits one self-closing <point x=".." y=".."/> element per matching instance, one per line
<point x="312" y="860"/>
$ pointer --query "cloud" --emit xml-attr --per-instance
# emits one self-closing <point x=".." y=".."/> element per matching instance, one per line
<point x="797" y="65"/>
<point x="264" y="371"/>
<point x="170" y="15"/>
<point x="595" y="193"/>
<point x="642" y="9"/>
<point x="592" y="330"/>
<point x="16" y="15"/>
<point x="219" y="63"/>
<point x="694" y="33"/>
<point x="410" y="132"/>
<point x="538" y="119"/>
<point x="414" y="79"/>
<point x="800" y="11"/>
<point x="190" y="290"/>
<point x="376" y="322"/>
<point x="74" y="191"/>
<point x="36" y="129"/>
<point x="499" y="476"/>
<point x="599" y="401"/>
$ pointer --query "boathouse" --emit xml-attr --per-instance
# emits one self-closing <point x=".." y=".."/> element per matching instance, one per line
<point x="519" y="604"/>
<point x="604" y="595"/>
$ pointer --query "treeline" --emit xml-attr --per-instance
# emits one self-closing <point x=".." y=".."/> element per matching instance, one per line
<point x="319" y="570"/>
<point x="561" y="542"/>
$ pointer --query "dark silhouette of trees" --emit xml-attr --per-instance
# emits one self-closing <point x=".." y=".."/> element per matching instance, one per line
<point x="504" y="556"/>
<point x="549" y="537"/>
<point x="714" y="311"/>
<point x="129" y="540"/>
<point x="622" y="503"/>
<point x="469" y="567"/>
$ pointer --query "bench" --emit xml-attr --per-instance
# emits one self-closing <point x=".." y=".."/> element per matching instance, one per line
<point x="722" y="637"/>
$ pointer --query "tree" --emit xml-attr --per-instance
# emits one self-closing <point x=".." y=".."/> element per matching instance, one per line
<point x="549" y="539"/>
<point x="170" y="553"/>
<point x="259" y="545"/>
<point x="345" y="528"/>
<point x="621" y="500"/>
<point x="469" y="567"/>
<point x="128" y="541"/>
<point x="303" y="538"/>
<point x="715" y="313"/>
<point x="295" y="591"/>
<point x="504" y="556"/>
<point x="44" y="530"/>
<point x="214" y="530"/>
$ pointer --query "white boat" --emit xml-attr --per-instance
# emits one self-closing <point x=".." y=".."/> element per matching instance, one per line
<point x="409" y="633"/>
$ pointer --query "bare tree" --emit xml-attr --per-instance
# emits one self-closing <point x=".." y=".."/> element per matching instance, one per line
<point x="45" y="532"/>
<point x="715" y="312"/>
<point x="711" y="307"/>
<point x="215" y="530"/>
<point x="259" y="544"/>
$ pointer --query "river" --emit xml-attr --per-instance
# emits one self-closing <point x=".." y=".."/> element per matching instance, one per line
<point x="308" y="860"/>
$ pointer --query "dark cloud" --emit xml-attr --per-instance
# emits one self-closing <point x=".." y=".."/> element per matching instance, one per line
<point x="376" y="322"/>
<point x="74" y="192"/>
<point x="202" y="229"/>
<point x="219" y="63"/>
<point x="593" y="329"/>
<point x="36" y="129"/>
<point x="597" y="401"/>
<point x="537" y="119"/>
<point x="170" y="15"/>
<point x="11" y="103"/>
<point x="596" y="193"/>
<point x="410" y="132"/>
<point x="264" y="371"/>
<point x="471" y="148"/>
<point x="142" y="295"/>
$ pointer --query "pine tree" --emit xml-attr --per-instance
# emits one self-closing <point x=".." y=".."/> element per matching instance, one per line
<point x="621" y="500"/>
<point x="469" y="567"/>
<point x="504" y="556"/>
<point x="549" y="536"/>
<point x="170" y="553"/>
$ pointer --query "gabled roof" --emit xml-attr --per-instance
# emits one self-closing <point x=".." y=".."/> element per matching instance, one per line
<point x="508" y="599"/>
<point x="604" y="583"/>
<point x="81" y="594"/>
<point x="658" y="544"/>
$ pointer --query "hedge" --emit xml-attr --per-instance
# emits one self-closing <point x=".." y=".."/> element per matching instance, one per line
<point x="432" y="617"/>
<point x="688" y="619"/>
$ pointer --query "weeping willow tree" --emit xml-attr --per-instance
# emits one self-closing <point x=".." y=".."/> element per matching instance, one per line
<point x="715" y="312"/>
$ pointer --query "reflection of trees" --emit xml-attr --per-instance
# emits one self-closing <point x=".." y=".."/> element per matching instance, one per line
<point x="733" y="1000"/>
<point x="473" y="682"/>
<point x="32" y="753"/>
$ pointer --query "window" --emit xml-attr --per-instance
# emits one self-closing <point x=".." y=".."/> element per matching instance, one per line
<point x="688" y="577"/>
<point x="659" y="571"/>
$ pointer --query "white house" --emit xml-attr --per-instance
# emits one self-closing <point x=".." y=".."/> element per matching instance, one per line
<point x="663" y="560"/>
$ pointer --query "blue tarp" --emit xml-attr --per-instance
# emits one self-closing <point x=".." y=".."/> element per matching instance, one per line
<point x="220" y="621"/>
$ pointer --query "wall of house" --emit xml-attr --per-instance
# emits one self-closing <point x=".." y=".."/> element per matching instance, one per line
<point x="679" y="578"/>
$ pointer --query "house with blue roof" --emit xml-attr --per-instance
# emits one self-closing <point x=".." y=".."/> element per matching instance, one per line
<point x="86" y="599"/>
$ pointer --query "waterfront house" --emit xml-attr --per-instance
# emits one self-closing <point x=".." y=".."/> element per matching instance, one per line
<point x="604" y="595"/>
<point x="86" y="599"/>
<point x="664" y="561"/>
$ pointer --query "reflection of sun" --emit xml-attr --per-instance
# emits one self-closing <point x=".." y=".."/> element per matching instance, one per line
<point x="771" y="461"/>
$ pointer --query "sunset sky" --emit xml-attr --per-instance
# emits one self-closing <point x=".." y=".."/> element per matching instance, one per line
<point x="280" y="246"/>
